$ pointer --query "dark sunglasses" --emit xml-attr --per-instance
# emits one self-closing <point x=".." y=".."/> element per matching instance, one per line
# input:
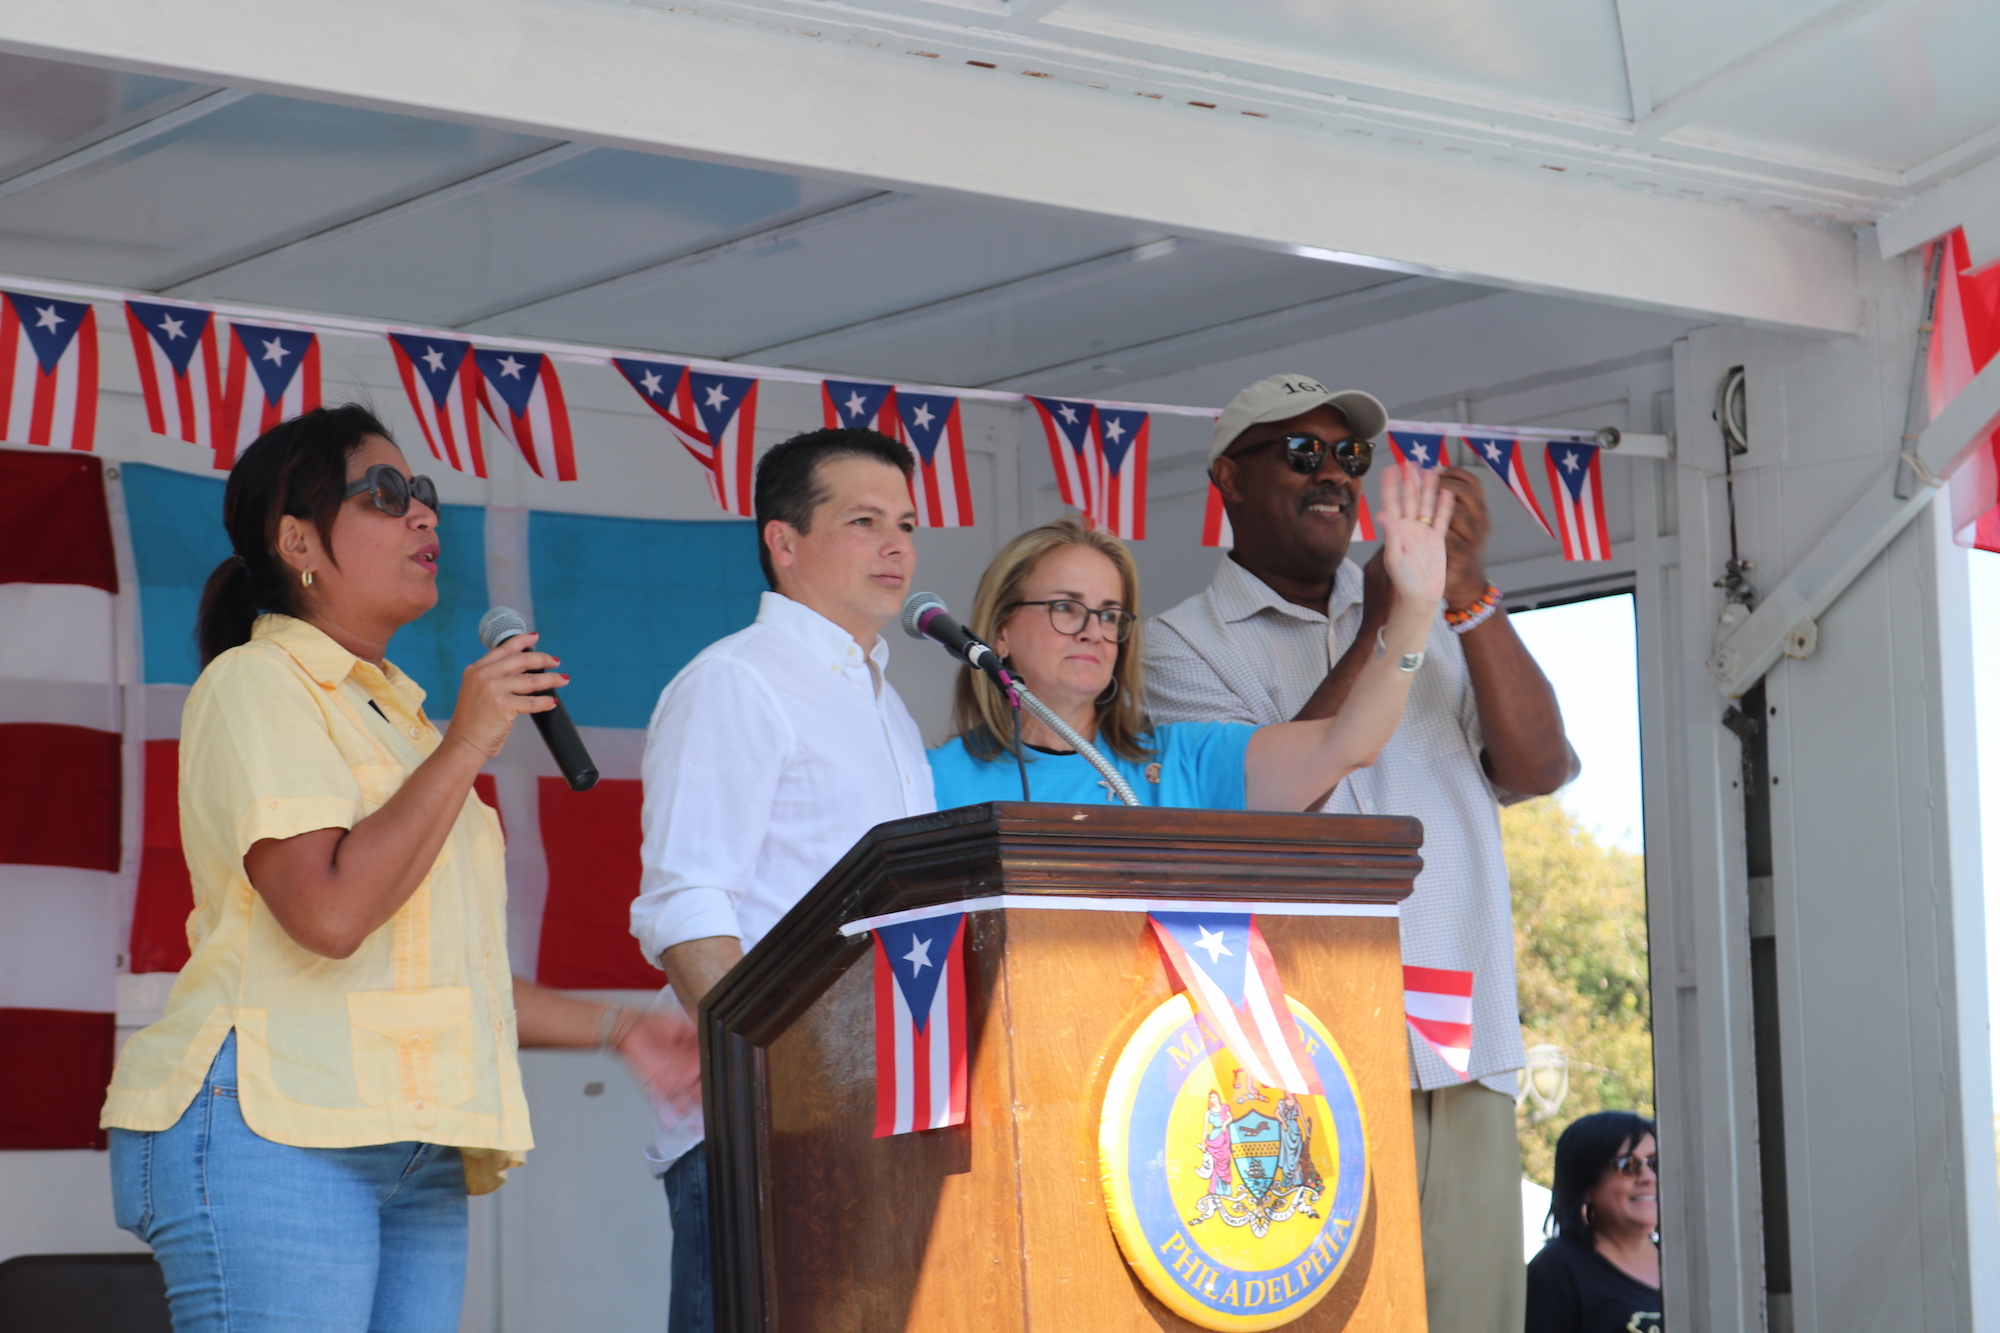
<point x="392" y="491"/>
<point x="1069" y="617"/>
<point x="1628" y="1164"/>
<point x="1307" y="452"/>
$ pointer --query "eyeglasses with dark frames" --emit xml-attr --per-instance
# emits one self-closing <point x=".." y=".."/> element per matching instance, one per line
<point x="392" y="491"/>
<point x="1067" y="616"/>
<point x="1629" y="1164"/>
<point x="1306" y="453"/>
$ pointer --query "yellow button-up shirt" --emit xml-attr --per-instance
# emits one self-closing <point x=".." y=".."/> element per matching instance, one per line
<point x="412" y="1037"/>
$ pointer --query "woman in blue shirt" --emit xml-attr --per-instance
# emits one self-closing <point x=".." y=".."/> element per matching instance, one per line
<point x="1060" y="604"/>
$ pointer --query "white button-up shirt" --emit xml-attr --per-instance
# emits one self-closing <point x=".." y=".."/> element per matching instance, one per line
<point x="1238" y="652"/>
<point x="768" y="757"/>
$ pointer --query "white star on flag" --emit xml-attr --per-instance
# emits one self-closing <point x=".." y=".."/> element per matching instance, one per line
<point x="1211" y="940"/>
<point x="919" y="956"/>
<point x="274" y="351"/>
<point x="1569" y="463"/>
<point x="1067" y="413"/>
<point x="716" y="397"/>
<point x="48" y="317"/>
<point x="651" y="381"/>
<point x="434" y="359"/>
<point x="1114" y="432"/>
<point x="510" y="368"/>
<point x="1421" y="453"/>
<point x="172" y="328"/>
<point x="1493" y="451"/>
<point x="923" y="416"/>
<point x="856" y="405"/>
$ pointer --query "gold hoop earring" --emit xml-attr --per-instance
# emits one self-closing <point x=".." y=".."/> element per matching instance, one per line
<point x="305" y="578"/>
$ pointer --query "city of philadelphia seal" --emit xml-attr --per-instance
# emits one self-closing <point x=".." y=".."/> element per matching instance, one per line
<point x="1236" y="1204"/>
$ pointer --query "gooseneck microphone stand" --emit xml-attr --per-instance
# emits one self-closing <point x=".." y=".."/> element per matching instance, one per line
<point x="1018" y="695"/>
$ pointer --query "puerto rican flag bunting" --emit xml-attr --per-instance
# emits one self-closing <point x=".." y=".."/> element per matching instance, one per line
<point x="1419" y="451"/>
<point x="180" y="371"/>
<point x="1438" y="1005"/>
<point x="859" y="406"/>
<point x="1221" y="961"/>
<point x="1118" y="439"/>
<point x="520" y="391"/>
<point x="1967" y="320"/>
<point x="443" y="388"/>
<point x="1504" y="457"/>
<point x="940" y="486"/>
<point x="1067" y="426"/>
<point x="713" y="416"/>
<point x="1577" y="483"/>
<point x="48" y="350"/>
<point x="273" y="375"/>
<point x="920" y="1025"/>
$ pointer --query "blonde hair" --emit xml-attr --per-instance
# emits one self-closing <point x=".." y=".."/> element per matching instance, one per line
<point x="978" y="712"/>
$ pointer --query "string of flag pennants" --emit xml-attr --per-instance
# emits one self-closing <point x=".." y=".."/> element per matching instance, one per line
<point x="218" y="382"/>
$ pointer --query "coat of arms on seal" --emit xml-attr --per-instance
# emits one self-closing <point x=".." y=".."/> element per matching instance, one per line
<point x="1235" y="1203"/>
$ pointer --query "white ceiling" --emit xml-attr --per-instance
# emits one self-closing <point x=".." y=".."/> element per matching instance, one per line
<point x="1841" y="111"/>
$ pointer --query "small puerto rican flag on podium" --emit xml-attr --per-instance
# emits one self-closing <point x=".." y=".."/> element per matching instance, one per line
<point x="920" y="1025"/>
<point x="1437" y="1002"/>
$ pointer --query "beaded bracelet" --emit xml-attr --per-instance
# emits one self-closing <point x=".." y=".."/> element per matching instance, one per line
<point x="1477" y="614"/>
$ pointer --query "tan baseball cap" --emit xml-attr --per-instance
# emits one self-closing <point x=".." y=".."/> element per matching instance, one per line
<point x="1284" y="396"/>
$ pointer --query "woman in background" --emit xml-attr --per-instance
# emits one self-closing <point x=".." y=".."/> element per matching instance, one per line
<point x="1600" y="1273"/>
<point x="335" y="1070"/>
<point x="1060" y="604"/>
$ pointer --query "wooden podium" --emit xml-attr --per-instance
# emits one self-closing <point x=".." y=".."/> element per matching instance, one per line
<point x="1000" y="1223"/>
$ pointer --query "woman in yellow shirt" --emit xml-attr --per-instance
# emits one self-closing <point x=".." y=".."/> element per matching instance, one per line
<point x="336" y="1067"/>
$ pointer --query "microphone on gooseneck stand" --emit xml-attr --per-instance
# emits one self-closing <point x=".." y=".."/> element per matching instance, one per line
<point x="558" y="731"/>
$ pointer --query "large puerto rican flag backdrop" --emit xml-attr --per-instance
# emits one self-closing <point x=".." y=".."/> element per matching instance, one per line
<point x="103" y="574"/>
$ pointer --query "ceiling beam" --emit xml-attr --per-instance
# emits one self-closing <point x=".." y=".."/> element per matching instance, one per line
<point x="370" y="223"/>
<point x="754" y="95"/>
<point x="1699" y="96"/>
<point x="1638" y="79"/>
<point x="80" y="153"/>
<point x="766" y="237"/>
<point x="1254" y="333"/>
<point x="1026" y="286"/>
<point x="1027" y="13"/>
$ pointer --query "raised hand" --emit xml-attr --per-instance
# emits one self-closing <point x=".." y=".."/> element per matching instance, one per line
<point x="1412" y="520"/>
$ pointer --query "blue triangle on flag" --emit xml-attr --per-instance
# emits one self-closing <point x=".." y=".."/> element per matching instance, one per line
<point x="916" y="952"/>
<point x="275" y="354"/>
<point x="50" y="325"/>
<point x="1426" y="451"/>
<point x="436" y="360"/>
<point x="716" y="398"/>
<point x="924" y="417"/>
<point x="657" y="380"/>
<point x="1118" y="430"/>
<point x="858" y="404"/>
<point x="1572" y="465"/>
<point x="1499" y="454"/>
<point x="175" y="330"/>
<point x="512" y="375"/>
<point x="1071" y="418"/>
<point x="1216" y="942"/>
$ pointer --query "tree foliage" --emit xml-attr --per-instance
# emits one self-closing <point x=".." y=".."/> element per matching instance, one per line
<point x="1580" y="946"/>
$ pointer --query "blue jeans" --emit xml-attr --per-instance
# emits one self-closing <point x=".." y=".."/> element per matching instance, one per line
<point x="255" y="1235"/>
<point x="691" y="1298"/>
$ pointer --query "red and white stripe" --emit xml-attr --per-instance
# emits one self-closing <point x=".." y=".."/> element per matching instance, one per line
<point x="1576" y="480"/>
<point x="1066" y="425"/>
<point x="1118" y="492"/>
<point x="541" y="432"/>
<point x="247" y="410"/>
<point x="1437" y="1002"/>
<point x="57" y="407"/>
<point x="450" y="424"/>
<point x="180" y="406"/>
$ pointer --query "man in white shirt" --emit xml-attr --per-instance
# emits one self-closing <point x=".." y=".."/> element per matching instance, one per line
<point x="1281" y="633"/>
<point x="773" y="751"/>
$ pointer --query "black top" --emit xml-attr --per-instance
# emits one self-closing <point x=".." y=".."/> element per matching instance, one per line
<point x="1574" y="1289"/>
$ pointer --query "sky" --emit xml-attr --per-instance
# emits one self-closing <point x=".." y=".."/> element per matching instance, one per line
<point x="1589" y="652"/>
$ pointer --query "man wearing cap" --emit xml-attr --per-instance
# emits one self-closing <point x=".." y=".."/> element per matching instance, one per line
<point x="1280" y="634"/>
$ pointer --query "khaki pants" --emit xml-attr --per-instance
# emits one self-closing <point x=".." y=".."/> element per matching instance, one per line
<point x="1469" y="1192"/>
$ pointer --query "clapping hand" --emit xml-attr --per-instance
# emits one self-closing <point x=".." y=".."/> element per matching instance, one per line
<point x="1412" y="519"/>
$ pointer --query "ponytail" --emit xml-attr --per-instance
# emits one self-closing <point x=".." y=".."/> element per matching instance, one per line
<point x="298" y="467"/>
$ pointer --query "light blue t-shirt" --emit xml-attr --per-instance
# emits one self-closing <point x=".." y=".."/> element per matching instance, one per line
<point x="1195" y="765"/>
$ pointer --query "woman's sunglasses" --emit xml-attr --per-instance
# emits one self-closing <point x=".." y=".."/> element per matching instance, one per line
<point x="392" y="491"/>
<point x="1629" y="1164"/>
<point x="1307" y="452"/>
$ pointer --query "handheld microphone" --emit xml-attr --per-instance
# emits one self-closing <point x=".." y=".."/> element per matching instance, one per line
<point x="558" y="731"/>
<point x="925" y="617"/>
